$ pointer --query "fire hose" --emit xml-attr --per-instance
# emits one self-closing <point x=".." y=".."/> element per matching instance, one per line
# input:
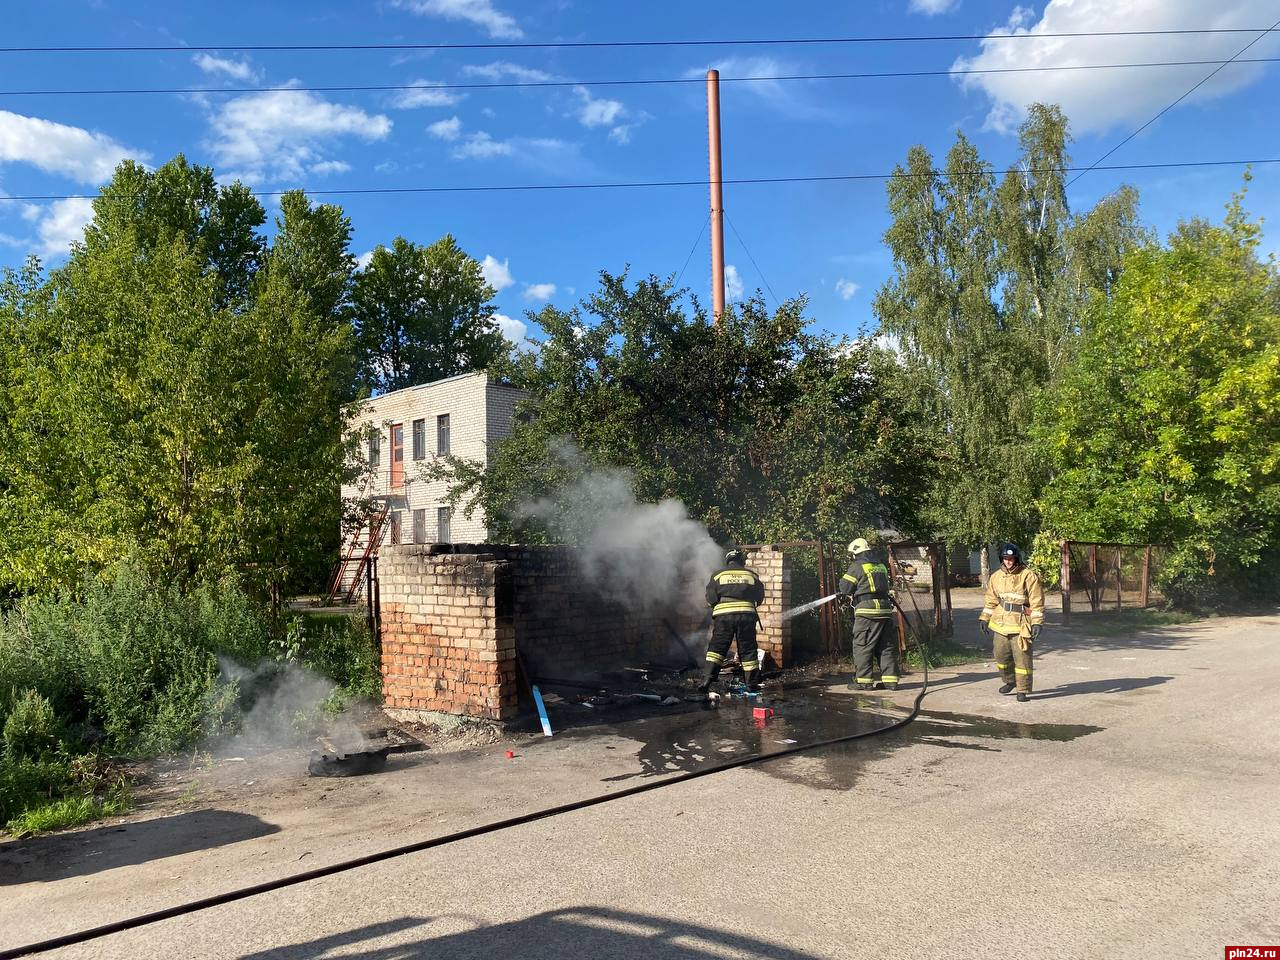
<point x="242" y="893"/>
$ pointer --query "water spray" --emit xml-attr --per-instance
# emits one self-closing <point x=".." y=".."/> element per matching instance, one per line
<point x="806" y="607"/>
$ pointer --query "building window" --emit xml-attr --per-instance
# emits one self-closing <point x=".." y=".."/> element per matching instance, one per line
<point x="420" y="526"/>
<point x="375" y="448"/>
<point x="395" y="527"/>
<point x="419" y="439"/>
<point x="442" y="434"/>
<point x="397" y="456"/>
<point x="443" y="534"/>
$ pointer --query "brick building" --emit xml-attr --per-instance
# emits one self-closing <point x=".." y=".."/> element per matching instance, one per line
<point x="464" y="415"/>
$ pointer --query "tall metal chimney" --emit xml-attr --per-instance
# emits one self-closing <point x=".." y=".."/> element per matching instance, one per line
<point x="717" y="196"/>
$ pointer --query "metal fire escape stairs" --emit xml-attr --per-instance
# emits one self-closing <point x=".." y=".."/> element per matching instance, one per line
<point x="347" y="581"/>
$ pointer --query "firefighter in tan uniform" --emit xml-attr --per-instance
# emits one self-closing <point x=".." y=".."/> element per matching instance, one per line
<point x="1014" y="616"/>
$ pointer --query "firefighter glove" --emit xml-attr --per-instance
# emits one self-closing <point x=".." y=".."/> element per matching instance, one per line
<point x="984" y="627"/>
<point x="1035" y="630"/>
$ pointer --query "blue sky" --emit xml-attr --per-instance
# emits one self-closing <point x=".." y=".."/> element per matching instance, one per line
<point x="822" y="239"/>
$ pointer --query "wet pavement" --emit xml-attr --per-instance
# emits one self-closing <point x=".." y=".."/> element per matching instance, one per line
<point x="688" y="736"/>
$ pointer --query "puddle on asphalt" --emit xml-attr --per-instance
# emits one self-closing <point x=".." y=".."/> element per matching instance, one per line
<point x="696" y="737"/>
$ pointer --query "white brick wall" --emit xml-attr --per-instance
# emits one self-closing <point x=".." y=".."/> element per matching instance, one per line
<point x="480" y="414"/>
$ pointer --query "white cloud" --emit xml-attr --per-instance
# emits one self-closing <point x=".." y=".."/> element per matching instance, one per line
<point x="514" y="330"/>
<point x="329" y="166"/>
<point x="58" y="148"/>
<point x="425" y="95"/>
<point x="845" y="289"/>
<point x="931" y="8"/>
<point x="540" y="291"/>
<point x="496" y="275"/>
<point x="502" y="70"/>
<point x="364" y="259"/>
<point x="597" y="111"/>
<point x="446" y="129"/>
<point x="281" y="133"/>
<point x="622" y="134"/>
<point x="480" y="146"/>
<point x="480" y="12"/>
<point x="62" y="224"/>
<point x="235" y="69"/>
<point x="1097" y="100"/>
<point x="732" y="283"/>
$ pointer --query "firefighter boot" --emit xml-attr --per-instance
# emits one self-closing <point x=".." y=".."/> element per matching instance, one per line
<point x="1023" y="698"/>
<point x="1007" y="688"/>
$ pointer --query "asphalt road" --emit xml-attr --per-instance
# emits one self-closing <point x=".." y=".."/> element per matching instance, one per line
<point x="1129" y="810"/>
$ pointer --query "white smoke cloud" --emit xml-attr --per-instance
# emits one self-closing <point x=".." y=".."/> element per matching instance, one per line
<point x="650" y="556"/>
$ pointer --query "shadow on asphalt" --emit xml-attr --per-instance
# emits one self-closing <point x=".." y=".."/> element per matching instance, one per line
<point x="589" y="932"/>
<point x="41" y="859"/>
<point x="1114" y="685"/>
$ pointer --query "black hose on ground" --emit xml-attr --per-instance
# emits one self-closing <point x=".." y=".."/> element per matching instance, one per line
<point x="242" y="893"/>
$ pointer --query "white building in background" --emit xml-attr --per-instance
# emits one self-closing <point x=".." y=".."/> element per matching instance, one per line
<point x="465" y="416"/>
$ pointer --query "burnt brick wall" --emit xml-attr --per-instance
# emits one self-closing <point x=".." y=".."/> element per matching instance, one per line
<point x="452" y="623"/>
<point x="448" y="642"/>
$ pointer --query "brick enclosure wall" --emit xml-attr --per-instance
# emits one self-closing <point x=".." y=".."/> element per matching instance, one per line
<point x="452" y="624"/>
<point x="773" y="636"/>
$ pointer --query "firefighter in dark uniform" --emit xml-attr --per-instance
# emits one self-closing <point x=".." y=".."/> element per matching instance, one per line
<point x="866" y="583"/>
<point x="732" y="594"/>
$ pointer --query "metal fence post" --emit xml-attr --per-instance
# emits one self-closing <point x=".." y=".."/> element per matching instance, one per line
<point x="1119" y="575"/>
<point x="1064" y="580"/>
<point x="1093" y="578"/>
<point x="1144" y="590"/>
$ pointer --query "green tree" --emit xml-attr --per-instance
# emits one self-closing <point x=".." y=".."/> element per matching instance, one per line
<point x="1166" y="427"/>
<point x="423" y="313"/>
<point x="763" y="431"/>
<point x="157" y="416"/>
<point x="990" y="291"/>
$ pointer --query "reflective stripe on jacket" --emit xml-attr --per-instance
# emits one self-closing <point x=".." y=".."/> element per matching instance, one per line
<point x="734" y="590"/>
<point x="1015" y="600"/>
<point x="868" y="581"/>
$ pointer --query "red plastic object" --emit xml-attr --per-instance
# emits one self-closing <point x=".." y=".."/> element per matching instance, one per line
<point x="762" y="713"/>
<point x="511" y="754"/>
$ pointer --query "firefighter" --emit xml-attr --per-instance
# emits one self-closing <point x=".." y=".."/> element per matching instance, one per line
<point x="732" y="594"/>
<point x="866" y="584"/>
<point x="1014" y="616"/>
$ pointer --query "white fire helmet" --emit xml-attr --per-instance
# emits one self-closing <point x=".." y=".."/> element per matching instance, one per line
<point x="859" y="546"/>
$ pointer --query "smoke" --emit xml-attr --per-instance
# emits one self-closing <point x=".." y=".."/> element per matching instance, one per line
<point x="282" y="705"/>
<point x="649" y="556"/>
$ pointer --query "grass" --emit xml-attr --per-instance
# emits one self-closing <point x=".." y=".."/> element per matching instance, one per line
<point x="71" y="811"/>
<point x="943" y="652"/>
<point x="1116" y="622"/>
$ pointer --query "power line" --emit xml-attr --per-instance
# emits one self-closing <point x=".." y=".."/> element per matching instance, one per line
<point x="598" y="44"/>
<point x="746" y="250"/>
<point x="1202" y="82"/>
<point x="515" y="84"/>
<point x="619" y="185"/>
<point x="692" y="249"/>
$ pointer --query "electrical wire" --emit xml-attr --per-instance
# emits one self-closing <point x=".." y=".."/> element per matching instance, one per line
<point x="1203" y="80"/>
<point x="747" y="250"/>
<point x="623" y="184"/>
<point x="691" y="251"/>
<point x="612" y="44"/>
<point x="242" y="893"/>
<point x="519" y="84"/>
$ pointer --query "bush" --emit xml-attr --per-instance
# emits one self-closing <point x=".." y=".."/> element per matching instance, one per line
<point x="340" y="648"/>
<point x="31" y="728"/>
<point x="132" y="664"/>
<point x="1046" y="559"/>
<point x="1195" y="580"/>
